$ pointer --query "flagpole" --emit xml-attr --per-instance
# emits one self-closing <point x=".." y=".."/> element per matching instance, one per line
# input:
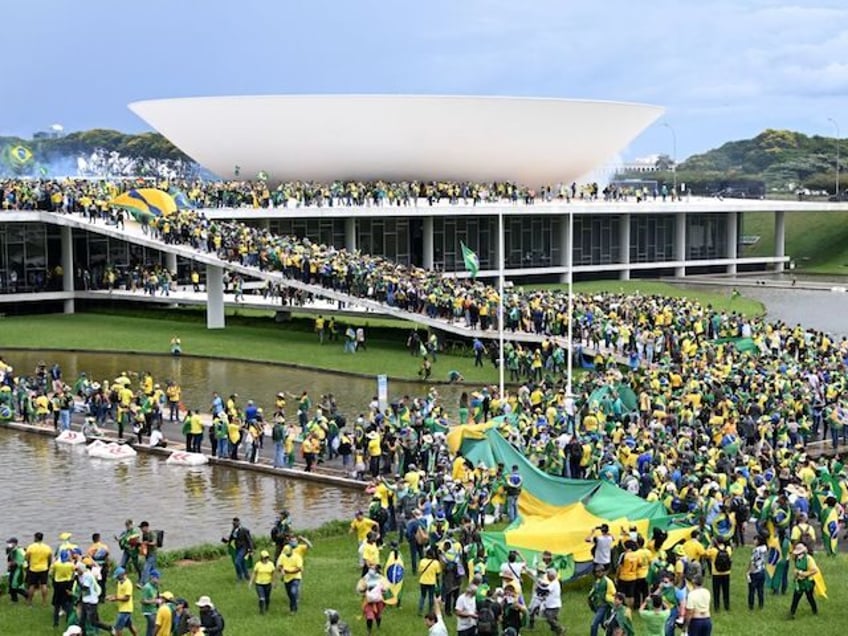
<point x="570" y="298"/>
<point x="501" y="304"/>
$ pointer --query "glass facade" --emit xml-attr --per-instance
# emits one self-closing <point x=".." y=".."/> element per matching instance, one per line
<point x="389" y="238"/>
<point x="96" y="252"/>
<point x="32" y="251"/>
<point x="706" y="236"/>
<point x="480" y="234"/>
<point x="651" y="238"/>
<point x="597" y="240"/>
<point x="532" y="241"/>
<point x="320" y="231"/>
<point x="529" y="241"/>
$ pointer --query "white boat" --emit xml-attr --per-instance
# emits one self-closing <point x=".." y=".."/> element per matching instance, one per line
<point x="181" y="458"/>
<point x="111" y="450"/>
<point x="70" y="437"/>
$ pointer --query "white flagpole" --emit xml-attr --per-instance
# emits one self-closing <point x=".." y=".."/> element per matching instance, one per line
<point x="501" y="260"/>
<point x="570" y="298"/>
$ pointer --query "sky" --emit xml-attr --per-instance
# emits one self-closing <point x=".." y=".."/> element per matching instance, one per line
<point x="722" y="69"/>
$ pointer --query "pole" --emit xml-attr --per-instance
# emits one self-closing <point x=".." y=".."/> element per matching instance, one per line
<point x="501" y="260"/>
<point x="570" y="299"/>
<point x="673" y="158"/>
<point x="836" y="126"/>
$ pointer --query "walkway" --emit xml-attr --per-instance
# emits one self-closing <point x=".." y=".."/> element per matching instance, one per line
<point x="133" y="234"/>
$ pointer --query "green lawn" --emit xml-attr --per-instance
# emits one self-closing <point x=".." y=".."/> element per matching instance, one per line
<point x="245" y="338"/>
<point x="720" y="300"/>
<point x="331" y="573"/>
<point x="816" y="241"/>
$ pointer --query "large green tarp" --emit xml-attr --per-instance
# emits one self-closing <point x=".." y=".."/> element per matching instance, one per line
<point x="628" y="397"/>
<point x="742" y="344"/>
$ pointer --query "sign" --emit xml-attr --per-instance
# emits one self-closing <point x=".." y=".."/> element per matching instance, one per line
<point x="383" y="392"/>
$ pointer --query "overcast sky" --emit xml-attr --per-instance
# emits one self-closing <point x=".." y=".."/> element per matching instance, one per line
<point x="723" y="69"/>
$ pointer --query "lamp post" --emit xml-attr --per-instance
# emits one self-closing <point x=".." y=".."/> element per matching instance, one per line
<point x="836" y="126"/>
<point x="673" y="157"/>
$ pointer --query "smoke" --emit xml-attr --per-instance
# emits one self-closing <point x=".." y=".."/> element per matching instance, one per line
<point x="103" y="164"/>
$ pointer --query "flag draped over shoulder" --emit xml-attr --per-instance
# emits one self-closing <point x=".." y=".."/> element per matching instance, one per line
<point x="472" y="263"/>
<point x="830" y="530"/>
<point x="394" y="575"/>
<point x="777" y="561"/>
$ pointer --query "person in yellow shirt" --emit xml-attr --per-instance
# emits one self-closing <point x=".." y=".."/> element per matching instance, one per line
<point x="263" y="577"/>
<point x="362" y="525"/>
<point x="693" y="548"/>
<point x="164" y="615"/>
<point x="38" y="556"/>
<point x="123" y="596"/>
<point x="720" y="554"/>
<point x="290" y="565"/>
<point x="375" y="450"/>
<point x="62" y="570"/>
<point x="628" y="567"/>
<point x="429" y="569"/>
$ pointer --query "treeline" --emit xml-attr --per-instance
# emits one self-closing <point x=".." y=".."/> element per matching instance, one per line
<point x="150" y="145"/>
<point x="781" y="159"/>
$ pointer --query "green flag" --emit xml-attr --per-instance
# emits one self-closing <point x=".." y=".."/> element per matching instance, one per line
<point x="472" y="263"/>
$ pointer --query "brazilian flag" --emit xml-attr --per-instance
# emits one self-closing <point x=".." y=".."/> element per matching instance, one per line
<point x="830" y="530"/>
<point x="20" y="155"/>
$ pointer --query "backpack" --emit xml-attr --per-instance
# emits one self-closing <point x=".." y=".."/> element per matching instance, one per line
<point x="739" y="507"/>
<point x="422" y="537"/>
<point x="486" y="623"/>
<point x="723" y="562"/>
<point x="807" y="537"/>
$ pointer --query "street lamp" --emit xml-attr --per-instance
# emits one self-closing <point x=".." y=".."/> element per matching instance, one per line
<point x="836" y="126"/>
<point x="673" y="158"/>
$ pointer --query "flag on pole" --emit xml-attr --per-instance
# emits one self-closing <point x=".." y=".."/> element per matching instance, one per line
<point x="472" y="263"/>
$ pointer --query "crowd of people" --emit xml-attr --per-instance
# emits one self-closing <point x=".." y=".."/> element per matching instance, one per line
<point x="80" y="194"/>
<point x="727" y="436"/>
<point x="723" y="418"/>
<point x="81" y="579"/>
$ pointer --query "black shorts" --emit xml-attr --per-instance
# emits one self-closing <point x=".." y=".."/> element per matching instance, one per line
<point x="36" y="578"/>
<point x="627" y="588"/>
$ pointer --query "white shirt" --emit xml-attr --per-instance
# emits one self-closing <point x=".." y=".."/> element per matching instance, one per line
<point x="512" y="570"/>
<point x="156" y="437"/>
<point x="466" y="603"/>
<point x="603" y="549"/>
<point x="554" y="598"/>
<point x="87" y="581"/>
<point x="439" y="628"/>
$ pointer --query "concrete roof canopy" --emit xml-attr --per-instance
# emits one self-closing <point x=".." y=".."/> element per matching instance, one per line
<point x="531" y="141"/>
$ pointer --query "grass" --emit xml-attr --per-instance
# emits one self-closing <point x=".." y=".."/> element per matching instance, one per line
<point x="256" y="339"/>
<point x="816" y="241"/>
<point x="331" y="573"/>
<point x="720" y="301"/>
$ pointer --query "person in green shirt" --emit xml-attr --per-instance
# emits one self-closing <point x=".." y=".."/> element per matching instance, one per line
<point x="130" y="542"/>
<point x="600" y="598"/>
<point x="620" y="623"/>
<point x="149" y="595"/>
<point x="656" y="617"/>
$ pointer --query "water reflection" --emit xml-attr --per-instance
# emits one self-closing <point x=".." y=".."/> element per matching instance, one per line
<point x="199" y="377"/>
<point x="55" y="488"/>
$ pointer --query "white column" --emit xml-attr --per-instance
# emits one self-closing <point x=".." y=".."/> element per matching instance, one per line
<point x="680" y="243"/>
<point x="427" y="243"/>
<point x="564" y="243"/>
<point x="732" y="241"/>
<point x="171" y="262"/>
<point x="779" y="237"/>
<point x="68" y="266"/>
<point x="350" y="234"/>
<point x="214" y="297"/>
<point x="624" y="241"/>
